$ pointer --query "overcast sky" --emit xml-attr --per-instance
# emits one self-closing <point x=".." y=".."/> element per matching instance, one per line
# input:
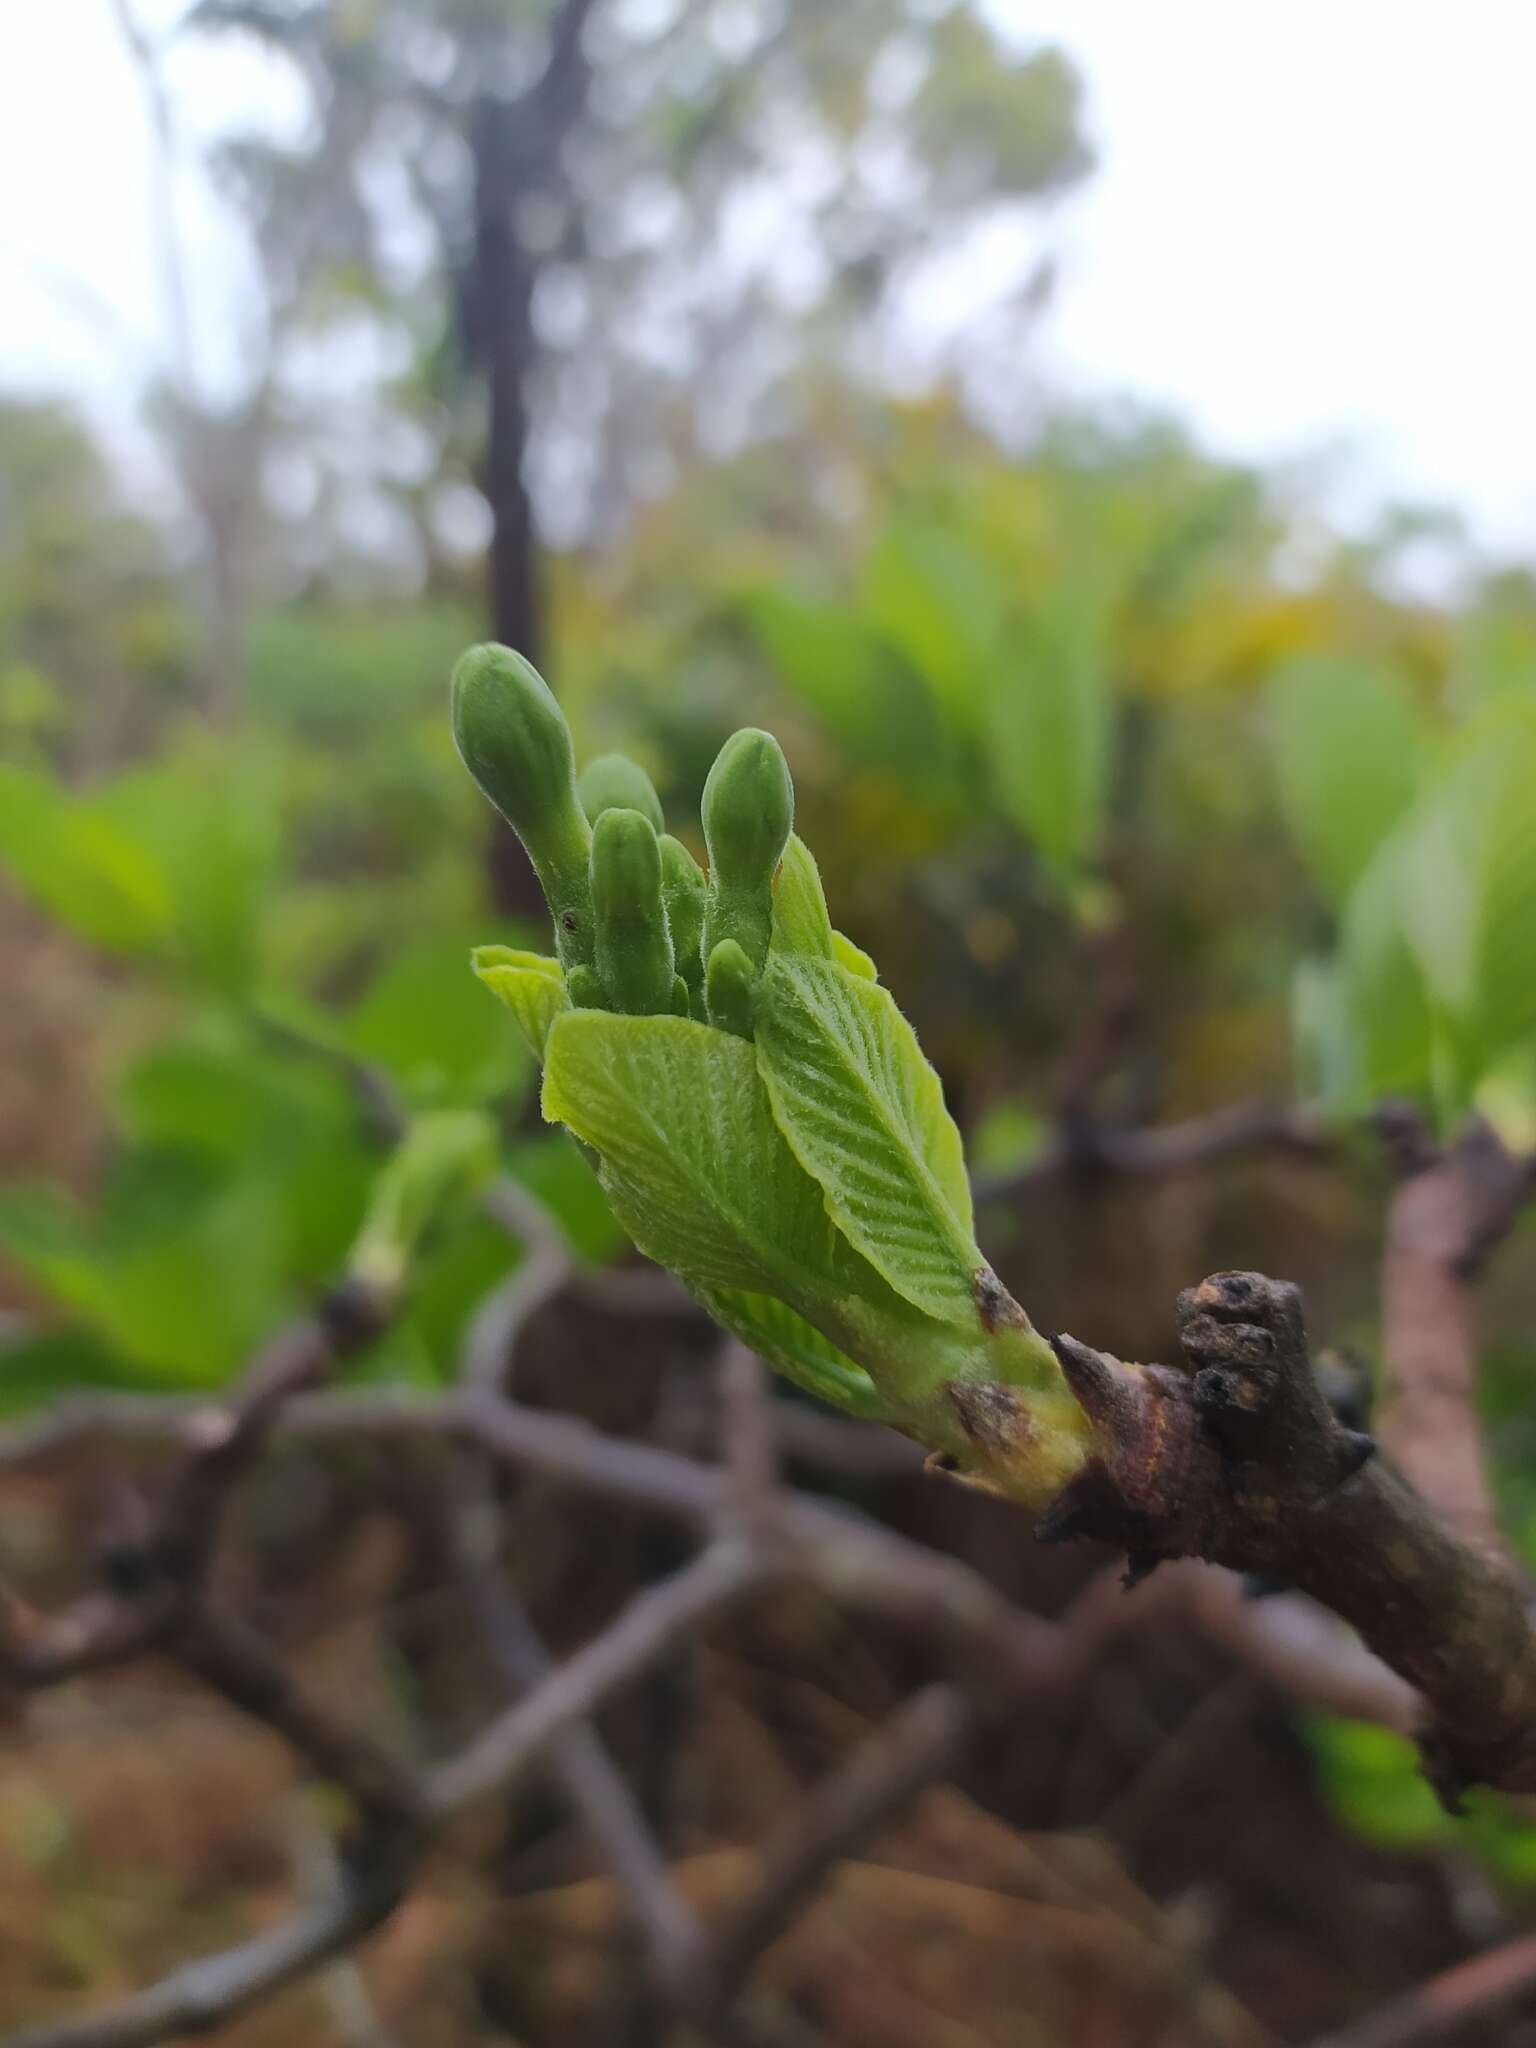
<point x="1311" y="226"/>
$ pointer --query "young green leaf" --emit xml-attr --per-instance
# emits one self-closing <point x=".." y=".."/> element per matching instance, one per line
<point x="696" y="1168"/>
<point x="853" y="957"/>
<point x="864" y="1113"/>
<point x="530" y="984"/>
<point x="791" y="1346"/>
<point x="800" y="920"/>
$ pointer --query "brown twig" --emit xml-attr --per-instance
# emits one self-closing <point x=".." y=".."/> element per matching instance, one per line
<point x="233" y="1661"/>
<point x="919" y="1743"/>
<point x="1236" y="1458"/>
<point x="1451" y="1209"/>
<point x="1448" y="2000"/>
<point x="579" y="1758"/>
<point x="1167" y="1149"/>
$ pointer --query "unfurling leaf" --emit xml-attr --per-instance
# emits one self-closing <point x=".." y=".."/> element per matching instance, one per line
<point x="791" y="1346"/>
<point x="800" y="920"/>
<point x="443" y="1151"/>
<point x="530" y="984"/>
<point x="864" y="1113"/>
<point x="693" y="1162"/>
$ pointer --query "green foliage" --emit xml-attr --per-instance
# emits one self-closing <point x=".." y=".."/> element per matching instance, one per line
<point x="1349" y="750"/>
<point x="83" y="869"/>
<point x="171" y="863"/>
<point x="257" y="893"/>
<point x="1051" y="729"/>
<point x="1430" y="853"/>
<point x="239" y="1184"/>
<point x="530" y="984"/>
<point x="693" y="1161"/>
<point x="864" y="1113"/>
<point x="791" y="1159"/>
<point x="425" y="1025"/>
<point x="1374" y="1780"/>
<point x="442" y="1151"/>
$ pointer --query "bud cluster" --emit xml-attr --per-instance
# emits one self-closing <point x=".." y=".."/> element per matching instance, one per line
<point x="639" y="929"/>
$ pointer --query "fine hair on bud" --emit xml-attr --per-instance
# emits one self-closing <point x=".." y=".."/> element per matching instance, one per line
<point x="612" y="782"/>
<point x="748" y="811"/>
<point x="514" y="740"/>
<point x="634" y="951"/>
<point x="729" y="984"/>
<point x="685" y="893"/>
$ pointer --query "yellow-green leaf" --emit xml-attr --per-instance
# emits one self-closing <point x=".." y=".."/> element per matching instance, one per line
<point x="789" y="1344"/>
<point x="695" y="1166"/>
<point x="864" y="1113"/>
<point x="531" y="985"/>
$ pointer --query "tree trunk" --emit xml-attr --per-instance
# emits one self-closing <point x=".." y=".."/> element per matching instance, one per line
<point x="500" y="301"/>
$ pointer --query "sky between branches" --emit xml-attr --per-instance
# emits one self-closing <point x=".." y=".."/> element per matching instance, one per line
<point x="1308" y="231"/>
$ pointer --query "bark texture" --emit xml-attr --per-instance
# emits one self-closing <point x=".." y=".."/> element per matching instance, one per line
<point x="1234" y="1456"/>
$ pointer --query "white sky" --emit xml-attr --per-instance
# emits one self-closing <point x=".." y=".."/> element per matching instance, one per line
<point x="1312" y="226"/>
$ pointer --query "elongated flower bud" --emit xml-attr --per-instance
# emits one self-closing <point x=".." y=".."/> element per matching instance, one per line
<point x="685" y="892"/>
<point x="748" y="811"/>
<point x="612" y="782"/>
<point x="728" y="987"/>
<point x="634" y="953"/>
<point x="515" y="742"/>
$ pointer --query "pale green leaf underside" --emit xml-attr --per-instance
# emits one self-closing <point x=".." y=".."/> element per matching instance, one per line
<point x="693" y="1162"/>
<point x="531" y="985"/>
<point x="788" y="1343"/>
<point x="800" y="921"/>
<point x="853" y="957"/>
<point x="864" y="1113"/>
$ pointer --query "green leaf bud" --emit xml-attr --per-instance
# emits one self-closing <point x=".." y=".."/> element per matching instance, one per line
<point x="634" y="953"/>
<point x="730" y="983"/>
<point x="612" y="782"/>
<point x="748" y="811"/>
<point x="685" y="893"/>
<point x="584" y="986"/>
<point x="515" y="742"/>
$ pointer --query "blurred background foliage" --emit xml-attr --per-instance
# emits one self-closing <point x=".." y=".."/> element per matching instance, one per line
<point x="1101" y="741"/>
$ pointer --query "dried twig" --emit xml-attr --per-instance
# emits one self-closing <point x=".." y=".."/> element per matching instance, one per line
<point x="579" y="1758"/>
<point x="920" y="1742"/>
<point x="1448" y="2000"/>
<point x="1240" y="1128"/>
